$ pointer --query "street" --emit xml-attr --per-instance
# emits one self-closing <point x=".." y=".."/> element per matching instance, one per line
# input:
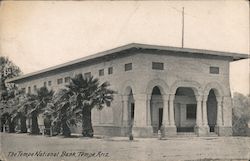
<point x="42" y="148"/>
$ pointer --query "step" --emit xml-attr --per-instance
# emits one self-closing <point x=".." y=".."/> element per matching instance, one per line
<point x="213" y="134"/>
<point x="186" y="134"/>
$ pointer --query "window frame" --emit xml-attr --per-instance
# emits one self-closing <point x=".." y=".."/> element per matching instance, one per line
<point x="59" y="81"/>
<point x="128" y="67"/>
<point x="214" y="70"/>
<point x="35" y="88"/>
<point x="87" y="74"/>
<point x="29" y="90"/>
<point x="101" y="72"/>
<point x="49" y="83"/>
<point x="157" y="65"/>
<point x="66" y="79"/>
<point x="110" y="70"/>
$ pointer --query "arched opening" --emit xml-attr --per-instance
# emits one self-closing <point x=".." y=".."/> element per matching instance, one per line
<point x="211" y="110"/>
<point x="156" y="109"/>
<point x="185" y="109"/>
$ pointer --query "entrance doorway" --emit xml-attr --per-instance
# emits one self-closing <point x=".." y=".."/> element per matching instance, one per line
<point x="185" y="108"/>
<point x="212" y="110"/>
<point x="156" y="109"/>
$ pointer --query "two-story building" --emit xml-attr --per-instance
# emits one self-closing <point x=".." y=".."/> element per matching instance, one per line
<point x="158" y="88"/>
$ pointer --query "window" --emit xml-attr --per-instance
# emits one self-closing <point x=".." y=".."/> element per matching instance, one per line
<point x="67" y="79"/>
<point x="49" y="83"/>
<point x="87" y="75"/>
<point x="23" y="90"/>
<point x="29" y="90"/>
<point x="191" y="111"/>
<point x="214" y="70"/>
<point x="44" y="84"/>
<point x="35" y="88"/>
<point x="101" y="72"/>
<point x="157" y="66"/>
<point x="59" y="81"/>
<point x="110" y="70"/>
<point x="128" y="66"/>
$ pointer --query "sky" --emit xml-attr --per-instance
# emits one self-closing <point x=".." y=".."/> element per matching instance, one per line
<point x="40" y="34"/>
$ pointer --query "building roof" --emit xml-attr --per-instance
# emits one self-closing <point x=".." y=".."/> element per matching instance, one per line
<point x="232" y="56"/>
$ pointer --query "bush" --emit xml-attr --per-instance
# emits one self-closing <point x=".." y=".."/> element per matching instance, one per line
<point x="241" y="114"/>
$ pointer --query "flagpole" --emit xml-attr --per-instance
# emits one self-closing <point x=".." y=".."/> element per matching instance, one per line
<point x="182" y="38"/>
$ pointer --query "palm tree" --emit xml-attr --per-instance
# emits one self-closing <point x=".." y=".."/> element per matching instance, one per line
<point x="36" y="104"/>
<point x="64" y="112"/>
<point x="87" y="93"/>
<point x="20" y="111"/>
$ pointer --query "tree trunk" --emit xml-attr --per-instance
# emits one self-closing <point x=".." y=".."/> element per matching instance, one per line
<point x="47" y="125"/>
<point x="87" y="129"/>
<point x="23" y="124"/>
<point x="65" y="129"/>
<point x="11" y="125"/>
<point x="34" y="126"/>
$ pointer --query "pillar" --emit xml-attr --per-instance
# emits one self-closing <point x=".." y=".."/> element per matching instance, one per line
<point x="219" y="125"/>
<point x="198" y="111"/>
<point x="125" y="113"/>
<point x="141" y="128"/>
<point x="219" y="111"/>
<point x="200" y="129"/>
<point x="226" y="117"/>
<point x="168" y="128"/>
<point x="171" y="110"/>
<point x="165" y="120"/>
<point x="148" y="111"/>
<point x="204" y="110"/>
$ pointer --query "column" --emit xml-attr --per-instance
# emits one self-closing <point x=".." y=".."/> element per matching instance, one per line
<point x="125" y="111"/>
<point x="140" y="114"/>
<point x="219" y="111"/>
<point x="204" y="110"/>
<point x="165" y="120"/>
<point x="140" y="128"/>
<point x="171" y="110"/>
<point x="148" y="110"/>
<point x="198" y="111"/>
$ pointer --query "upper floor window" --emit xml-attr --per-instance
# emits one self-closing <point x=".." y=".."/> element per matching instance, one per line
<point x="59" y="81"/>
<point x="49" y="83"/>
<point x="67" y="79"/>
<point x="214" y="70"/>
<point x="157" y="65"/>
<point x="110" y="70"/>
<point x="128" y="66"/>
<point x="44" y="84"/>
<point x="35" y="88"/>
<point x="87" y="75"/>
<point x="101" y="72"/>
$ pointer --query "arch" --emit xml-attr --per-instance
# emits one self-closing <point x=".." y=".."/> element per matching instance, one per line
<point x="127" y="86"/>
<point x="196" y="87"/>
<point x="218" y="89"/>
<point x="161" y="84"/>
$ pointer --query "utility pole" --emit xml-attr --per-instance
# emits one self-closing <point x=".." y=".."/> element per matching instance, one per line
<point x="182" y="38"/>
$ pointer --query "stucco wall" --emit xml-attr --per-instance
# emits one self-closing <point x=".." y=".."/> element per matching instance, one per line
<point x="178" y="72"/>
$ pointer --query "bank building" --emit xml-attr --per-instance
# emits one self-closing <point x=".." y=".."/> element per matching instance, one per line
<point x="175" y="90"/>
